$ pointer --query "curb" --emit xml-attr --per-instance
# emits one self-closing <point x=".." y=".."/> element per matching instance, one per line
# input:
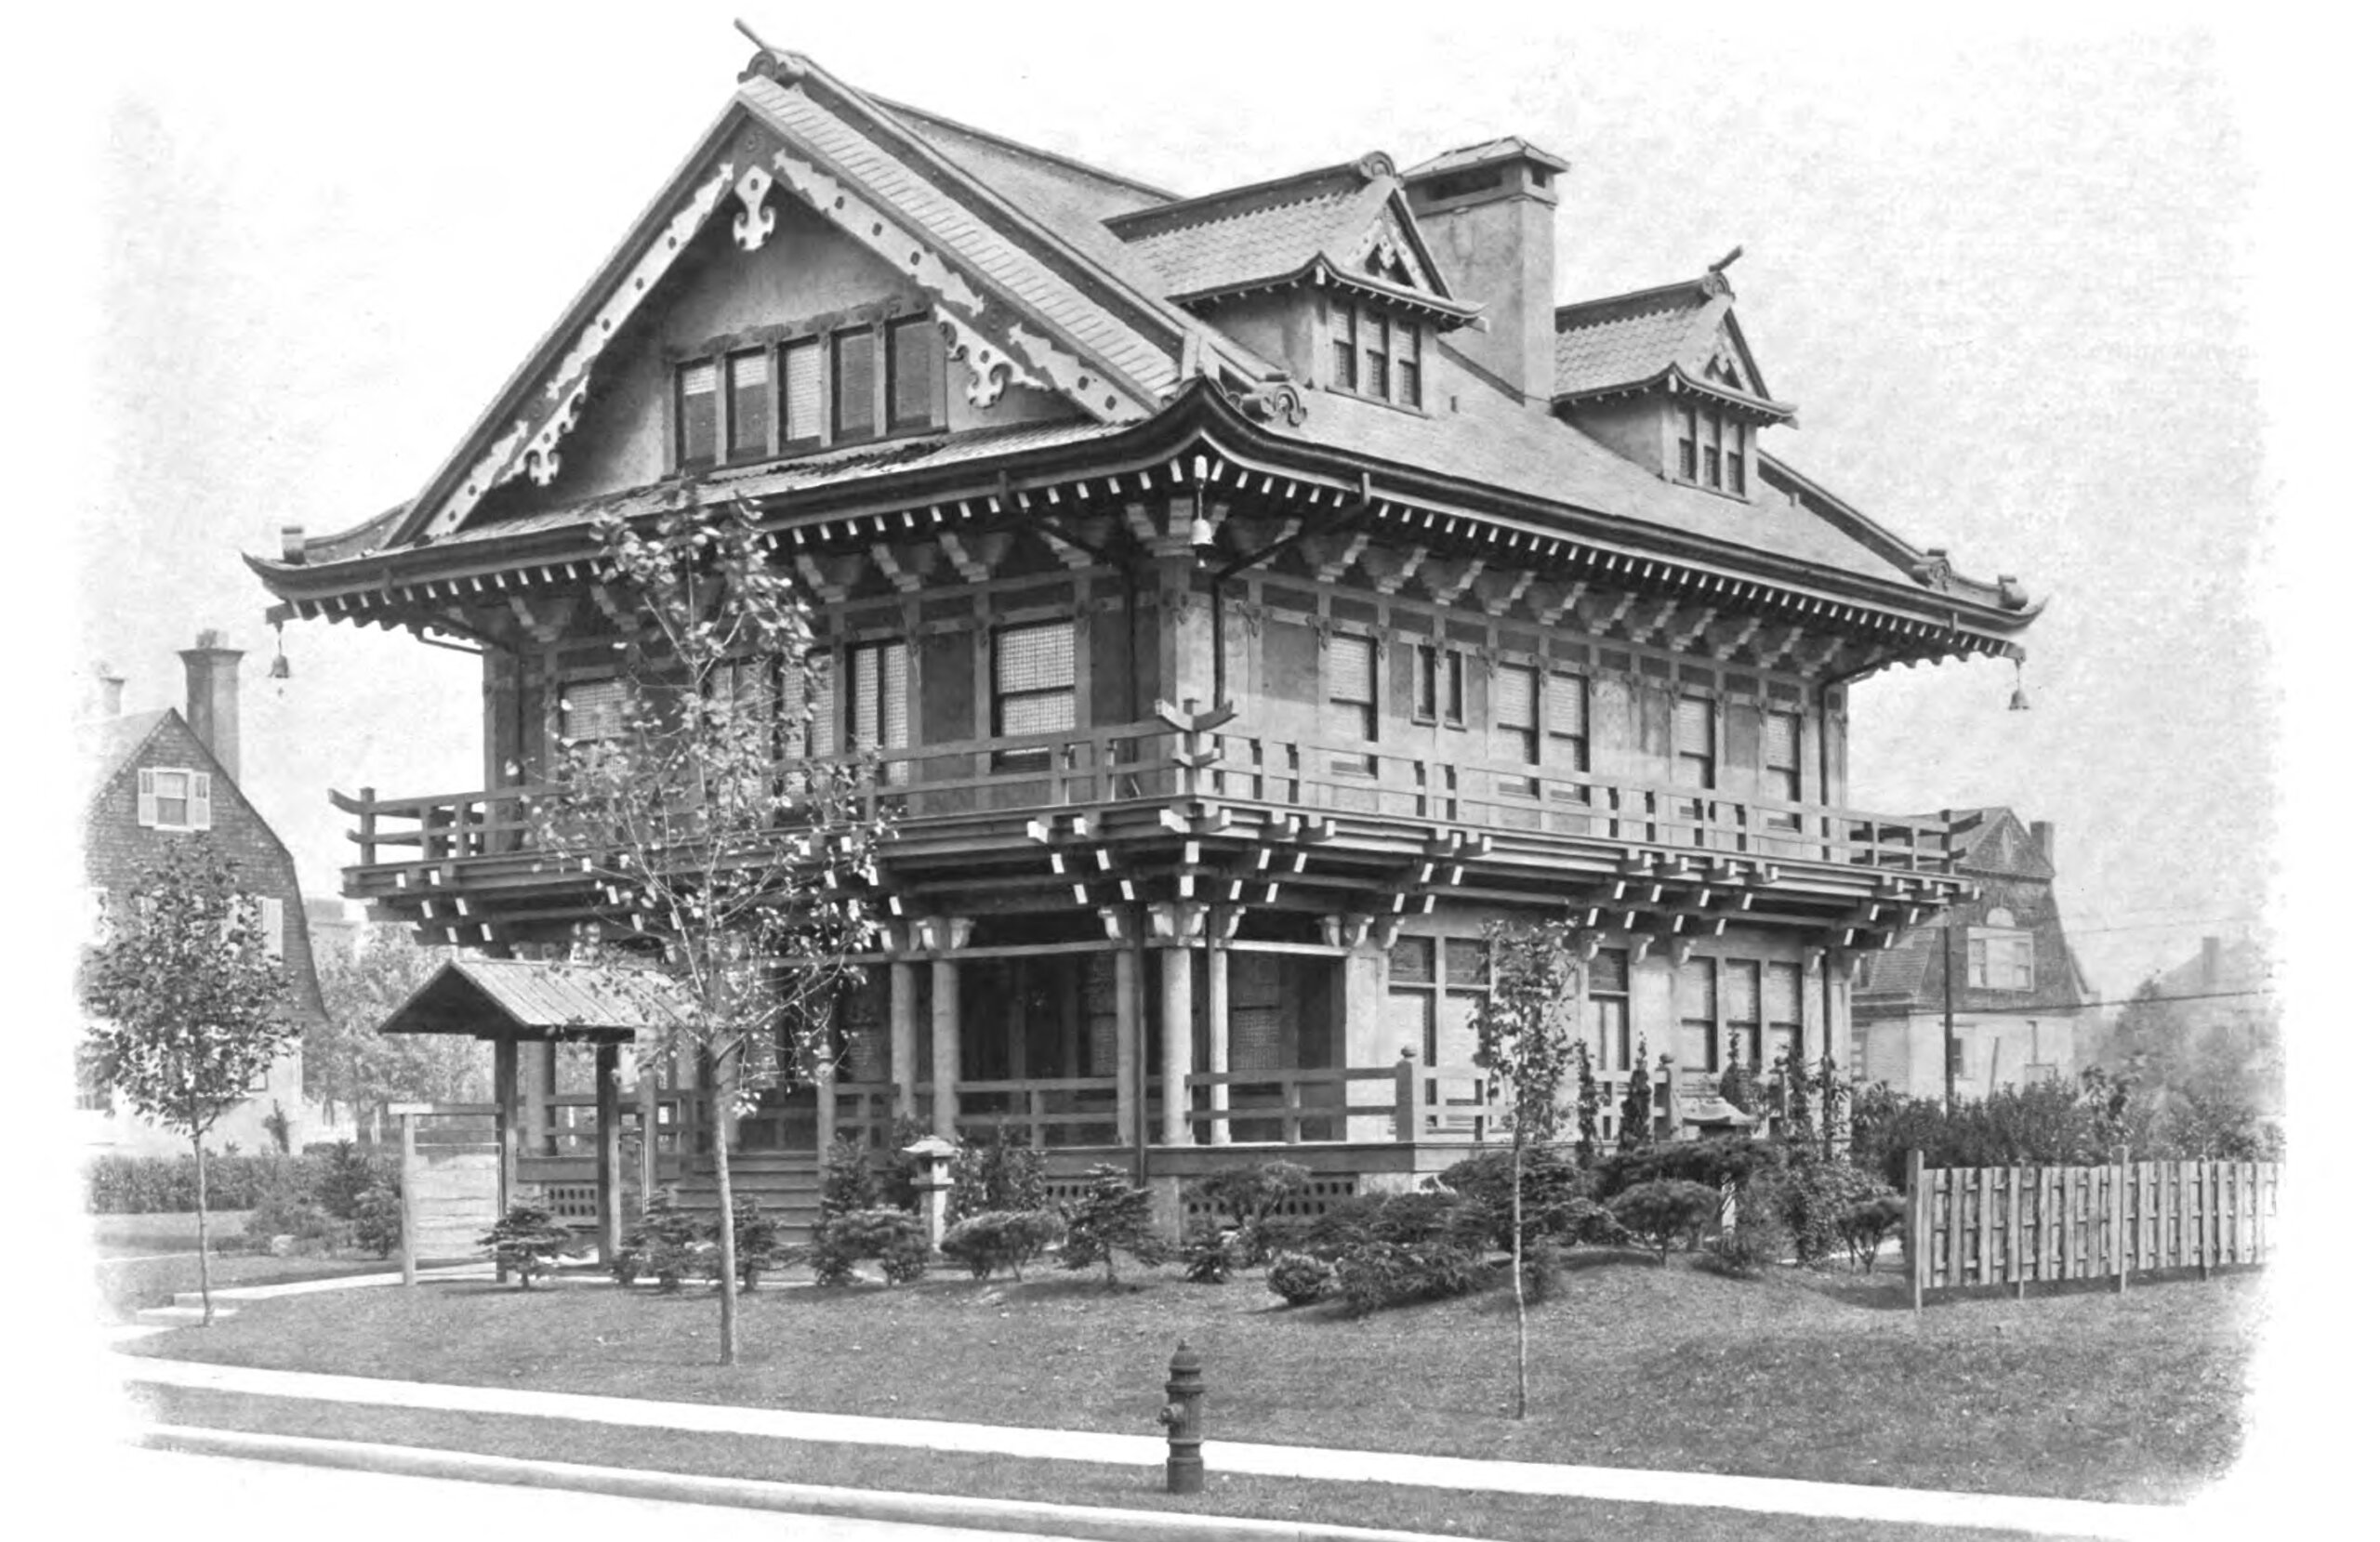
<point x="1094" y="1525"/>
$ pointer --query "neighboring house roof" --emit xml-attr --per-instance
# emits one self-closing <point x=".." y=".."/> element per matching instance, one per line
<point x="534" y="998"/>
<point x="2001" y="857"/>
<point x="111" y="744"/>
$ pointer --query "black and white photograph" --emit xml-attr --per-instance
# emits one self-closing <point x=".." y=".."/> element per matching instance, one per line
<point x="1219" y="772"/>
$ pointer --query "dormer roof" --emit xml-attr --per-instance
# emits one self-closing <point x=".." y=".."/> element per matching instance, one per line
<point x="1341" y="225"/>
<point x="1674" y="336"/>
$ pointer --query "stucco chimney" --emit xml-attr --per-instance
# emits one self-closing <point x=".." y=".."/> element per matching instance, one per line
<point x="214" y="710"/>
<point x="1487" y="212"/>
<point x="2045" y="839"/>
<point x="111" y="692"/>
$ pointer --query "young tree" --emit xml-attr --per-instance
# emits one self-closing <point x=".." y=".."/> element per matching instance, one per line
<point x="189" y="1010"/>
<point x="349" y="1060"/>
<point x="1526" y="1051"/>
<point x="733" y="863"/>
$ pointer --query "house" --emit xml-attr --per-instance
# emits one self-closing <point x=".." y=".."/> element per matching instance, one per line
<point x="167" y="776"/>
<point x="1249" y="595"/>
<point x="2020" y="1004"/>
<point x="2208" y="1023"/>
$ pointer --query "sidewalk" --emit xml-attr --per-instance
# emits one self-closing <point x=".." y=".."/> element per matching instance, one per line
<point x="1763" y="1495"/>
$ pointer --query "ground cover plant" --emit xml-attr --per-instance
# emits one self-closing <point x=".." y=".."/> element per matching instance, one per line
<point x="1801" y="1373"/>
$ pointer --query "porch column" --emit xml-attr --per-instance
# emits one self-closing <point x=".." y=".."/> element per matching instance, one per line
<point x="1219" y="1023"/>
<point x="1176" y="925"/>
<point x="904" y="1040"/>
<point x="945" y="935"/>
<point x="507" y="1123"/>
<point x="607" y="1152"/>
<point x="1121" y="930"/>
<point x="648" y="1124"/>
<point x="823" y="1090"/>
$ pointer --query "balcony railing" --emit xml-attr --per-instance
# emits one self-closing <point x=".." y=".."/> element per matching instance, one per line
<point x="1143" y="763"/>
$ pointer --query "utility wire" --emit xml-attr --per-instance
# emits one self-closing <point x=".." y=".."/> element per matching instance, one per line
<point x="2093" y="1006"/>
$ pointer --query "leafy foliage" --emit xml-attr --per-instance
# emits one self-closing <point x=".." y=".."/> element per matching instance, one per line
<point x="1550" y="1187"/>
<point x="1813" y="1202"/>
<point x="1255" y="1190"/>
<point x="993" y="1240"/>
<point x="1668" y="1212"/>
<point x="1113" y="1216"/>
<point x="346" y="1056"/>
<point x="1209" y="1253"/>
<point x="1015" y="1174"/>
<point x="848" y="1182"/>
<point x="1866" y="1226"/>
<point x="379" y="1220"/>
<point x="732" y="861"/>
<point x="666" y="1243"/>
<point x="528" y="1240"/>
<point x="1376" y="1274"/>
<point x="1637" y="1104"/>
<point x="189" y="1011"/>
<point x="1301" y="1279"/>
<point x="895" y="1239"/>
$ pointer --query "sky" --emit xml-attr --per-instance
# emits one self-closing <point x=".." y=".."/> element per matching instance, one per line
<point x="2044" y="288"/>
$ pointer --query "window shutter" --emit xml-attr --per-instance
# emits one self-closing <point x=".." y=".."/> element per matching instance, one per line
<point x="270" y="920"/>
<point x="1515" y="695"/>
<point x="804" y="399"/>
<point x="1691" y="721"/>
<point x="147" y="813"/>
<point x="868" y="696"/>
<point x="1350" y="668"/>
<point x="893" y="681"/>
<point x="202" y="801"/>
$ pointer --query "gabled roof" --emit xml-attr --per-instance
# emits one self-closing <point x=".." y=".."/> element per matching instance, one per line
<point x="1329" y="223"/>
<point x="111" y="744"/>
<point x="1650" y="337"/>
<point x="534" y="998"/>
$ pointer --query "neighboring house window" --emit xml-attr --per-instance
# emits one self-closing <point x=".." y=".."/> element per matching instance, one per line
<point x="1958" y="1056"/>
<point x="2000" y="955"/>
<point x="1033" y="687"/>
<point x="1352" y="712"/>
<point x="1374" y="356"/>
<point x="173" y="798"/>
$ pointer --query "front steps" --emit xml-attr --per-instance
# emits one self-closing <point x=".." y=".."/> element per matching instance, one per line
<point x="785" y="1185"/>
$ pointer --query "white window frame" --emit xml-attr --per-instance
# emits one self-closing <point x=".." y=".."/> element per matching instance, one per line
<point x="197" y="798"/>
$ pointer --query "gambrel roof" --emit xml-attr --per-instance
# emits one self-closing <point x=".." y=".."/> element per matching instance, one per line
<point x="1086" y="287"/>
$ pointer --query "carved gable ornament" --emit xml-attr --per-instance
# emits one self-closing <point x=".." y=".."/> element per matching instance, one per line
<point x="1382" y="253"/>
<point x="998" y="343"/>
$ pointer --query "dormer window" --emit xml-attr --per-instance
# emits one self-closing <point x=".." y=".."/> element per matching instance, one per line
<point x="1375" y="355"/>
<point x="1711" y="450"/>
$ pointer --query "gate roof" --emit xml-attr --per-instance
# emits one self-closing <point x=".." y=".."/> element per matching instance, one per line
<point x="493" y="998"/>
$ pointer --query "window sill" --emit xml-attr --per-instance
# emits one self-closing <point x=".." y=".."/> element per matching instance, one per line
<point x="1370" y="400"/>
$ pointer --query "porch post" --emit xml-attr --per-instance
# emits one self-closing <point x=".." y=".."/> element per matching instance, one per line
<point x="507" y="1122"/>
<point x="1177" y="925"/>
<point x="1127" y="1024"/>
<point x="823" y="1090"/>
<point x="904" y="1040"/>
<point x="944" y="935"/>
<point x="1219" y="1027"/>
<point x="648" y="1124"/>
<point x="607" y="1152"/>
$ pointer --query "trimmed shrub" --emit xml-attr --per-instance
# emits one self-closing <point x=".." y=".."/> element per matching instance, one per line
<point x="121" y="1185"/>
<point x="1550" y="1182"/>
<point x="1301" y="1279"/>
<point x="899" y="1190"/>
<point x="379" y="1220"/>
<point x="1002" y="1239"/>
<point x="1719" y="1163"/>
<point x="1253" y="1192"/>
<point x="666" y="1243"/>
<point x="1209" y="1253"/>
<point x="1114" y="1217"/>
<point x="286" y="1213"/>
<point x="1260" y="1242"/>
<point x="756" y="1249"/>
<point x="1666" y="1212"/>
<point x="895" y="1239"/>
<point x="342" y="1174"/>
<point x="1745" y="1251"/>
<point x="848" y="1181"/>
<point x="1376" y="1274"/>
<point x="1404" y="1219"/>
<point x="527" y="1240"/>
<point x="1812" y="1201"/>
<point x="1865" y="1229"/>
<point x="968" y="1196"/>
<point x="1015" y="1175"/>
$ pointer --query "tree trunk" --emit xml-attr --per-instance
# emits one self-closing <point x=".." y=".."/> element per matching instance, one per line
<point x="205" y="1281"/>
<point x="723" y="1116"/>
<point x="1520" y="1296"/>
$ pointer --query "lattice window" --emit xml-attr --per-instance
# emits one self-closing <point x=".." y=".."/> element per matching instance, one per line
<point x="1405" y="358"/>
<point x="1693" y="738"/>
<point x="593" y="710"/>
<point x="1032" y="680"/>
<point x="855" y="383"/>
<point x="1566" y="720"/>
<point x="1412" y="961"/>
<point x="698" y="414"/>
<point x="1375" y="354"/>
<point x="1608" y="1007"/>
<point x="1516" y="713"/>
<point x="1744" y="1008"/>
<point x="915" y="369"/>
<point x="1352" y="673"/>
<point x="1781" y="741"/>
<point x="1784" y="1004"/>
<point x="1342" y="346"/>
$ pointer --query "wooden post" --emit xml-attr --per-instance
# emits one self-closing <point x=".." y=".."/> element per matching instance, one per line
<point x="648" y="1146"/>
<point x="1916" y="1233"/>
<point x="1173" y="1090"/>
<point x="904" y="1040"/>
<point x="507" y="1122"/>
<point x="607" y="1152"/>
<point x="2124" y="1219"/>
<point x="1409" y="1115"/>
<point x="2012" y="1215"/>
<point x="823" y="1093"/>
<point x="2206" y="1222"/>
<point x="1218" y="1033"/>
<point x="408" y="1199"/>
<point x="1128" y="1043"/>
<point x="946" y="1047"/>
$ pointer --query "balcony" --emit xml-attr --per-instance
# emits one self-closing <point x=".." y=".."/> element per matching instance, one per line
<point x="1157" y="800"/>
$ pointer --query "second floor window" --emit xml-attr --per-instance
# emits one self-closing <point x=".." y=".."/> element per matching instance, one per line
<point x="172" y="797"/>
<point x="1694" y="743"/>
<point x="1032" y="685"/>
<point x="1437" y="685"/>
<point x="1352" y="711"/>
<point x="1698" y="1015"/>
<point x="2000" y="955"/>
<point x="698" y="414"/>
<point x="835" y="386"/>
<point x="1373" y="355"/>
<point x="1713" y="451"/>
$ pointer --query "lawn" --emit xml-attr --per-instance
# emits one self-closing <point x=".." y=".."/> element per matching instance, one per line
<point x="1823" y="1376"/>
<point x="145" y="1261"/>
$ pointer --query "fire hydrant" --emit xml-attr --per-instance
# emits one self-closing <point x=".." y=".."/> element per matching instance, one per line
<point x="1185" y="1469"/>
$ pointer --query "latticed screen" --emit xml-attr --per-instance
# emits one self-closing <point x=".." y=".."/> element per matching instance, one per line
<point x="1466" y="964"/>
<point x="804" y="393"/>
<point x="914" y="364"/>
<point x="1607" y="972"/>
<point x="1343" y="347"/>
<point x="879" y="696"/>
<point x="1516" y="712"/>
<point x="856" y="377"/>
<point x="697" y="414"/>
<point x="1782" y="755"/>
<point x="1743" y="1008"/>
<point x="1032" y="680"/>
<point x="1375" y="354"/>
<point x="1566" y="720"/>
<point x="594" y="709"/>
<point x="1785" y="1008"/>
<point x="806" y="699"/>
<point x="1696" y="1014"/>
<point x="748" y="403"/>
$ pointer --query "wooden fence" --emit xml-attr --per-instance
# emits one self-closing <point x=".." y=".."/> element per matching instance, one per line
<point x="2020" y="1226"/>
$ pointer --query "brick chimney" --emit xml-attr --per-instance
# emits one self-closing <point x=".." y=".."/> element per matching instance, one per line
<point x="2045" y="840"/>
<point x="1487" y="212"/>
<point x="111" y="691"/>
<point x="214" y="710"/>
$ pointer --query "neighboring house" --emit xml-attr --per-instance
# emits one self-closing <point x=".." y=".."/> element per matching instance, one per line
<point x="1515" y="612"/>
<point x="2209" y="1021"/>
<point x="163" y="777"/>
<point x="334" y="928"/>
<point x="2016" y="995"/>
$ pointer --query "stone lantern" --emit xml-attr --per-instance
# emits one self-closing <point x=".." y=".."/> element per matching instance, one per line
<point x="932" y="1156"/>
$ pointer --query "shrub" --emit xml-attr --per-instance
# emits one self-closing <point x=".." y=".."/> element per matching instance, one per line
<point x="1256" y="1191"/>
<point x="342" y="1175"/>
<point x="1404" y="1219"/>
<point x="966" y="1195"/>
<point x="1262" y="1241"/>
<point x="1208" y="1252"/>
<point x="1745" y="1250"/>
<point x="1550" y="1181"/>
<point x="120" y="1185"/>
<point x="895" y="1239"/>
<point x="309" y="1227"/>
<point x="899" y="1191"/>
<point x="1666" y="1211"/>
<point x="1865" y="1229"/>
<point x="1812" y="1200"/>
<point x="379" y="1220"/>
<point x="1113" y="1216"/>
<point x="848" y="1182"/>
<point x="1718" y="1164"/>
<point x="1301" y="1279"/>
<point x="756" y="1249"/>
<point x="1015" y="1175"/>
<point x="528" y="1240"/>
<point x="1542" y="1276"/>
<point x="1002" y="1239"/>
<point x="666" y="1243"/>
<point x="1376" y="1274"/>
